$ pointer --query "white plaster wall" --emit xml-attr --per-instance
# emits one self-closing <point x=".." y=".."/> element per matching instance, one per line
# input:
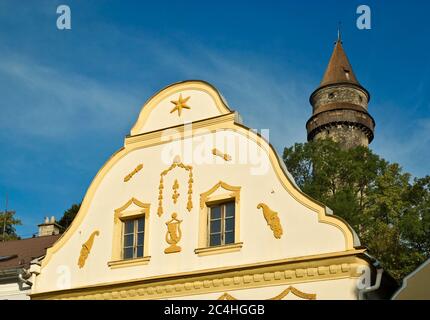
<point x="303" y="234"/>
<point x="12" y="291"/>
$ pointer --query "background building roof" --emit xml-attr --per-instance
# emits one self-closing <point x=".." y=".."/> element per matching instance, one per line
<point x="19" y="253"/>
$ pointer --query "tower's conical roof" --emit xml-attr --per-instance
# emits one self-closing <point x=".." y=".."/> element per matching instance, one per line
<point x="339" y="69"/>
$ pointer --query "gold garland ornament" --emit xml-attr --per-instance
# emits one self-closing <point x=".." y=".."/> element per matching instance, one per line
<point x="282" y="295"/>
<point x="175" y="188"/>
<point x="189" y="169"/>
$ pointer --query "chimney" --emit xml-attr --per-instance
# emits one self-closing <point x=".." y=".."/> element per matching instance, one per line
<point x="49" y="227"/>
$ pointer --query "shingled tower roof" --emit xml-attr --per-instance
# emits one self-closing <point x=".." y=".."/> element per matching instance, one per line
<point x="339" y="69"/>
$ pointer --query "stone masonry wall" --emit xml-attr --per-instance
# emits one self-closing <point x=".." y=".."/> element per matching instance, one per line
<point x="347" y="135"/>
<point x="341" y="94"/>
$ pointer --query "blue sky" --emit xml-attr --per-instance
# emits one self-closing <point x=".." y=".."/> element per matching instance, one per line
<point x="68" y="98"/>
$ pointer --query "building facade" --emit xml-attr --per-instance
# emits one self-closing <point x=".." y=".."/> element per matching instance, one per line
<point x="415" y="286"/>
<point x="195" y="205"/>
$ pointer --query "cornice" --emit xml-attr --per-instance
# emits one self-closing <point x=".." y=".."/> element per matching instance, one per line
<point x="337" y="265"/>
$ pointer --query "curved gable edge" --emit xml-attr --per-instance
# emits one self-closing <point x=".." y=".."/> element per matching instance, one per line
<point x="324" y="213"/>
<point x="149" y="106"/>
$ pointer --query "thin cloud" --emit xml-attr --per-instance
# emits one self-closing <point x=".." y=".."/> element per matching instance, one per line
<point x="51" y="104"/>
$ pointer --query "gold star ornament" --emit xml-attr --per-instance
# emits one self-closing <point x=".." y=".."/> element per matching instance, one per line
<point x="180" y="104"/>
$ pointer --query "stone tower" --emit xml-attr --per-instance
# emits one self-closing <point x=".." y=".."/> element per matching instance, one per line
<point x="340" y="105"/>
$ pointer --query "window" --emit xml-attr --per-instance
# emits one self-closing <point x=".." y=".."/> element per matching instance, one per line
<point x="133" y="239"/>
<point x="221" y="224"/>
<point x="130" y="235"/>
<point x="346" y="73"/>
<point x="219" y="221"/>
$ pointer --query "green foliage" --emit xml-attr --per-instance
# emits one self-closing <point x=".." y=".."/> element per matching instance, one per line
<point x="68" y="216"/>
<point x="389" y="212"/>
<point x="8" y="221"/>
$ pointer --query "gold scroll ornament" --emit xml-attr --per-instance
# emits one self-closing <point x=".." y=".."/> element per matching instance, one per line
<point x="86" y="248"/>
<point x="220" y="154"/>
<point x="131" y="174"/>
<point x="176" y="164"/>
<point x="173" y="235"/>
<point x="272" y="220"/>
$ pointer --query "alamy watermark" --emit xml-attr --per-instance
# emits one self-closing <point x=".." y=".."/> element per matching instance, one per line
<point x="64" y="21"/>
<point x="204" y="146"/>
<point x="364" y="21"/>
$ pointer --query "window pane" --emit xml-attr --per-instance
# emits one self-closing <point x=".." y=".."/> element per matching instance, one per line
<point x="229" y="209"/>
<point x="215" y="212"/>
<point x="128" y="240"/>
<point x="229" y="237"/>
<point x="140" y="239"/>
<point x="229" y="224"/>
<point x="139" y="252"/>
<point x="215" y="226"/>
<point x="129" y="226"/>
<point x="128" y="253"/>
<point x="215" y="240"/>
<point x="140" y="225"/>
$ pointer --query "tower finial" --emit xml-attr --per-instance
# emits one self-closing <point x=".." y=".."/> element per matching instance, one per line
<point x="339" y="34"/>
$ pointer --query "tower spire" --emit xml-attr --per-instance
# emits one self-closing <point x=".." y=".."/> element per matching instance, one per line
<point x="339" y="34"/>
<point x="339" y="69"/>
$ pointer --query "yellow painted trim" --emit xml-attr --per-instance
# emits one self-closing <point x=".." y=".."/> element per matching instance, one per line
<point x="205" y="195"/>
<point x="129" y="262"/>
<point x="223" y="122"/>
<point x="153" y="102"/>
<point x="235" y="247"/>
<point x="180" y="131"/>
<point x="133" y="200"/>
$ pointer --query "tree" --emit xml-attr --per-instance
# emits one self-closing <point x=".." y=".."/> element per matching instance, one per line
<point x="389" y="212"/>
<point x="68" y="216"/>
<point x="8" y="221"/>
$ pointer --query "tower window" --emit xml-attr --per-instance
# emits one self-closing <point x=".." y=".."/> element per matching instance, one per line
<point x="331" y="95"/>
<point x="346" y="73"/>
